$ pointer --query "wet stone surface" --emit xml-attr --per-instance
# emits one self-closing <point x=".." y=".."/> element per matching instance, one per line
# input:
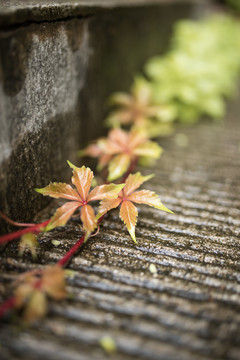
<point x="188" y="309"/>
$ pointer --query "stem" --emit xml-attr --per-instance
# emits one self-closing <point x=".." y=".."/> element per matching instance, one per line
<point x="67" y="257"/>
<point x="7" y="305"/>
<point x="34" y="229"/>
<point x="10" y="221"/>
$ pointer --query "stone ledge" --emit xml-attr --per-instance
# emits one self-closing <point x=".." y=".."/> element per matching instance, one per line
<point x="18" y="12"/>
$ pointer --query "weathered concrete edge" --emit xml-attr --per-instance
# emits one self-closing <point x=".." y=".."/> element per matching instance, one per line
<point x="33" y="11"/>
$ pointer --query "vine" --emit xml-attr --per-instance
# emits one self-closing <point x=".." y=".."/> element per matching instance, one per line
<point x="191" y="80"/>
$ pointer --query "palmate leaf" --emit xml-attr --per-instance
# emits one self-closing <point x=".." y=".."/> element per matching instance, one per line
<point x="82" y="179"/>
<point x="128" y="214"/>
<point x="149" y="198"/>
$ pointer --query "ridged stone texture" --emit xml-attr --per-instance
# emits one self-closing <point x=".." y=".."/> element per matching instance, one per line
<point x="190" y="308"/>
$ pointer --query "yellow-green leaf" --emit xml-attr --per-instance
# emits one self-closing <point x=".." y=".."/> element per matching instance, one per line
<point x="149" y="148"/>
<point x="36" y="307"/>
<point x="118" y="166"/>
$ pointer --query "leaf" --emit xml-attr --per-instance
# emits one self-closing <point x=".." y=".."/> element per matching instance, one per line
<point x="142" y="91"/>
<point x="88" y="218"/>
<point x="115" y="118"/>
<point x="63" y="214"/>
<point x="107" y="205"/>
<point x="36" y="307"/>
<point x="118" y="166"/>
<point x="110" y="191"/>
<point x="28" y="242"/>
<point x="134" y="181"/>
<point x="128" y="214"/>
<point x="59" y="190"/>
<point x="22" y="293"/>
<point x="53" y="282"/>
<point x="120" y="98"/>
<point x="149" y="198"/>
<point x="82" y="179"/>
<point x="92" y="150"/>
<point x="149" y="148"/>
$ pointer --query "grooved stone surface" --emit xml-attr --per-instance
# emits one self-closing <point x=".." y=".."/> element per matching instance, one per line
<point x="190" y="308"/>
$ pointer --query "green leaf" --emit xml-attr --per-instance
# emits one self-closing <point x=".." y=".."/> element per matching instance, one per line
<point x="118" y="166"/>
<point x="150" y="149"/>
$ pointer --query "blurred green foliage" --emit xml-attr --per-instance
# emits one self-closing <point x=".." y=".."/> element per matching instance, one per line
<point x="200" y="70"/>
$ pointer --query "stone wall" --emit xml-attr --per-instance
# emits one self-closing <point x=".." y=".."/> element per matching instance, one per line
<point x="56" y="72"/>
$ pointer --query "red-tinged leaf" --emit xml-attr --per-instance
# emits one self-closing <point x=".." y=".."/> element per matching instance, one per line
<point x="149" y="148"/>
<point x="128" y="214"/>
<point x="110" y="191"/>
<point x="134" y="181"/>
<point x="53" y="282"/>
<point x="88" y="218"/>
<point x="118" y="137"/>
<point x="137" y="137"/>
<point x="107" y="205"/>
<point x="103" y="161"/>
<point x="92" y="150"/>
<point x="149" y="198"/>
<point x="63" y="214"/>
<point x="59" y="190"/>
<point x="118" y="166"/>
<point x="82" y="179"/>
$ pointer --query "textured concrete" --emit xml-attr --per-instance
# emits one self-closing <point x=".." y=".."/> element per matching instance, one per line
<point x="189" y="309"/>
<point x="54" y="80"/>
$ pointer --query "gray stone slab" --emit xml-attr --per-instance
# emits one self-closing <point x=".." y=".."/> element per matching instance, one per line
<point x="190" y="308"/>
<point x="17" y="11"/>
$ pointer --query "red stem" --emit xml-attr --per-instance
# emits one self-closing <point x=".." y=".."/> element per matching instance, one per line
<point x="7" y="305"/>
<point x="71" y="252"/>
<point x="10" y="221"/>
<point x="34" y="229"/>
